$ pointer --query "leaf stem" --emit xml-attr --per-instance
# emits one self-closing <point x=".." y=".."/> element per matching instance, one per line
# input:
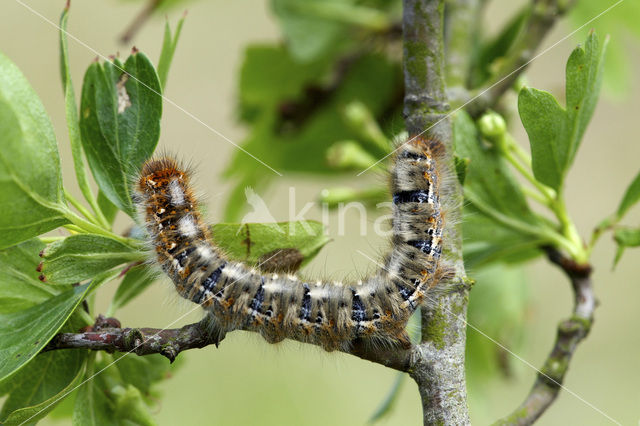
<point x="535" y="196"/>
<point x="82" y="209"/>
<point x="569" y="230"/>
<point x="89" y="227"/>
<point x="509" y="147"/>
<point x="545" y="233"/>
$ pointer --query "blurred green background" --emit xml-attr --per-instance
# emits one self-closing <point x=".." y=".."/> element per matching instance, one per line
<point x="246" y="381"/>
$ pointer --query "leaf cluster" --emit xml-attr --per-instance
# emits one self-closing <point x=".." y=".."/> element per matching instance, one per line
<point x="48" y="282"/>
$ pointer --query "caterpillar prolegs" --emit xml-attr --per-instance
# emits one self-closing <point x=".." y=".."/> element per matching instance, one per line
<point x="280" y="306"/>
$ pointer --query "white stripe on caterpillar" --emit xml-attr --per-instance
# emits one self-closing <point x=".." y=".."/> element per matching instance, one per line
<point x="327" y="314"/>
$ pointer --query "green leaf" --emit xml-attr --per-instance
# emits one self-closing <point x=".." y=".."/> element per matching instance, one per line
<point x="107" y="207"/>
<point x="500" y="311"/>
<point x="308" y="35"/>
<point x="130" y="406"/>
<point x="169" y="44"/>
<point x="83" y="256"/>
<point x="71" y="111"/>
<point x="631" y="196"/>
<point x="269" y="75"/>
<point x="555" y="133"/>
<point x="498" y="224"/>
<point x="120" y="111"/>
<point x="625" y="237"/>
<point x="584" y="79"/>
<point x="389" y="401"/>
<point x="273" y="81"/>
<point x="621" y="23"/>
<point x="257" y="242"/>
<point x="142" y="372"/>
<point x="135" y="282"/>
<point x="93" y="407"/>
<point x="487" y="242"/>
<point x="37" y="388"/>
<point x="25" y="333"/>
<point x="544" y="120"/>
<point x="492" y="52"/>
<point x="488" y="177"/>
<point x="31" y="200"/>
<point x="20" y="287"/>
<point x="461" y="165"/>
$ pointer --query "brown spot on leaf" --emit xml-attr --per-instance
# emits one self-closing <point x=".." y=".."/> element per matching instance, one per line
<point x="281" y="260"/>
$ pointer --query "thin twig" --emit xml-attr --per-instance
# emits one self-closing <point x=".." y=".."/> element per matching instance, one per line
<point x="543" y="15"/>
<point x="570" y="332"/>
<point x="107" y="335"/>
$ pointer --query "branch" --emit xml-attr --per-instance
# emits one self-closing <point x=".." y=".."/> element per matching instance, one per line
<point x="462" y="22"/>
<point x="438" y="365"/>
<point x="544" y="14"/>
<point x="107" y="335"/>
<point x="570" y="332"/>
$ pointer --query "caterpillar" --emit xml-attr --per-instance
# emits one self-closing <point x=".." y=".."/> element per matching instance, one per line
<point x="278" y="306"/>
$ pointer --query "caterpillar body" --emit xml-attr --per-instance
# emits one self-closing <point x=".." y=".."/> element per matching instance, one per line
<point x="279" y="306"/>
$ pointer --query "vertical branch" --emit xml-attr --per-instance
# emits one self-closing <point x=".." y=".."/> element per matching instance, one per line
<point x="438" y="362"/>
<point x="462" y="22"/>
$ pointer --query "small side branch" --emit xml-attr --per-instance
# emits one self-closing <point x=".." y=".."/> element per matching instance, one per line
<point x="570" y="333"/>
<point x="107" y="335"/>
<point x="543" y="15"/>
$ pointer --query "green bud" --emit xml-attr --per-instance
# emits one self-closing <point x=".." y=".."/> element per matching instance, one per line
<point x="492" y="126"/>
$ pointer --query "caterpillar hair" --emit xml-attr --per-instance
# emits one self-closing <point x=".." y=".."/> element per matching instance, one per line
<point x="279" y="306"/>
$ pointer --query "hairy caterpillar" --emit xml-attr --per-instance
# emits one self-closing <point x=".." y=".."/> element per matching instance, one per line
<point x="280" y="306"/>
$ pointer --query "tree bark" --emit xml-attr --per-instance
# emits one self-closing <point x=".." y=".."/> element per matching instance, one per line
<point x="438" y="362"/>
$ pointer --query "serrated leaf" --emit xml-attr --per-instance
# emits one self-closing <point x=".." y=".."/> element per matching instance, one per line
<point x="31" y="200"/>
<point x="620" y="22"/>
<point x="120" y="113"/>
<point x="251" y="242"/>
<point x="36" y="389"/>
<point x="20" y="287"/>
<point x="25" y="333"/>
<point x="169" y="43"/>
<point x="584" y="79"/>
<point x="555" y="132"/>
<point x="631" y="196"/>
<point x="135" y="282"/>
<point x="83" y="256"/>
